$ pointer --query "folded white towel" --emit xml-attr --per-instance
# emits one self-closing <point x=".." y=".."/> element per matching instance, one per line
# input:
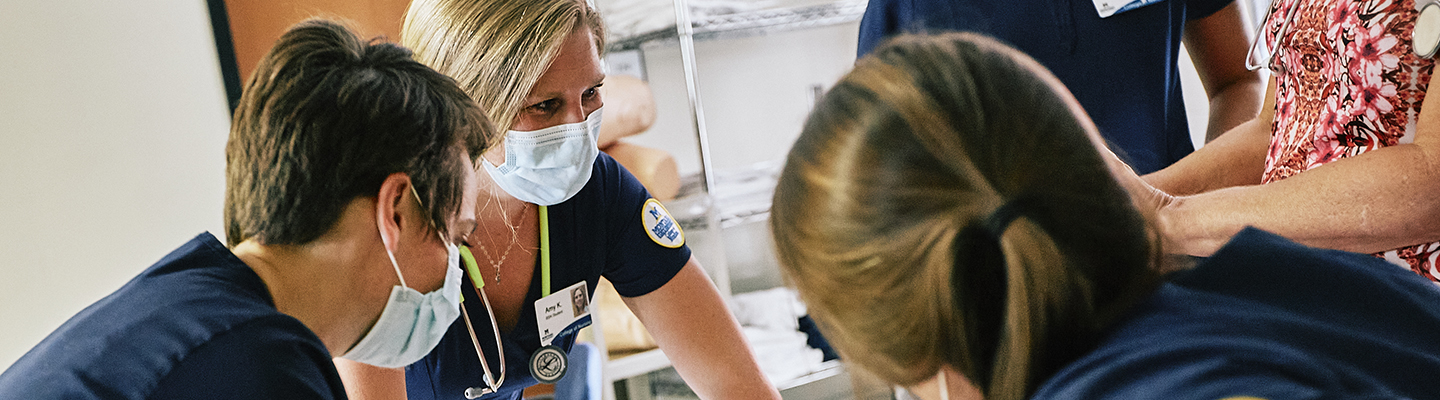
<point x="783" y="355"/>
<point x="779" y="308"/>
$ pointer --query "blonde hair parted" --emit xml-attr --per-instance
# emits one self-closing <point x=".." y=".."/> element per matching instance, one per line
<point x="495" y="49"/>
<point x="879" y="218"/>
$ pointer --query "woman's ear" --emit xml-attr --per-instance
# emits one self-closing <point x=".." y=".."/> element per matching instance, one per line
<point x="393" y="191"/>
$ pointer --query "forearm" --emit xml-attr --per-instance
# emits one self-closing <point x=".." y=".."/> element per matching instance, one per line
<point x="1218" y="44"/>
<point x="1235" y="159"/>
<point x="1236" y="104"/>
<point x="696" y="331"/>
<point x="1380" y="200"/>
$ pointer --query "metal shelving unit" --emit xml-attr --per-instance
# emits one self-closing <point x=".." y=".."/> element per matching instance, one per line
<point x="755" y="22"/>
<point x="686" y="31"/>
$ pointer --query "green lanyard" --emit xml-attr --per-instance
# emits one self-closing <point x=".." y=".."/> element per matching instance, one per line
<point x="474" y="267"/>
<point x="544" y="251"/>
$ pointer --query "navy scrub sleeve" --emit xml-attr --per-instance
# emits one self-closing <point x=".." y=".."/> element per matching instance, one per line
<point x="599" y="232"/>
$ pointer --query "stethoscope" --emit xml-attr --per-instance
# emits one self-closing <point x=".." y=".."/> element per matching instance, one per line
<point x="492" y="384"/>
<point x="1425" y="38"/>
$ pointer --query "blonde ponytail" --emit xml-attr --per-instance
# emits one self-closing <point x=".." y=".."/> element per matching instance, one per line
<point x="880" y="214"/>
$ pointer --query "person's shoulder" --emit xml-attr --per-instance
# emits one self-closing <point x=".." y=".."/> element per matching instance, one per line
<point x="613" y="175"/>
<point x="1178" y="356"/>
<point x="122" y="343"/>
<point x="272" y="356"/>
<point x="121" y="351"/>
<point x="610" y="184"/>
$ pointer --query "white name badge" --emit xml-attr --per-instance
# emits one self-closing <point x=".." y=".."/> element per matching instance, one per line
<point x="1106" y="8"/>
<point x="562" y="313"/>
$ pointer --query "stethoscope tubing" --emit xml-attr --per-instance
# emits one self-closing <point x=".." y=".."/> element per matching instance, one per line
<point x="1421" y="8"/>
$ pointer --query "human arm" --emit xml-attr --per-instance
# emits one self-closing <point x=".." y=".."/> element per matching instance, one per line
<point x="696" y="331"/>
<point x="1236" y="158"/>
<point x="1217" y="45"/>
<point x="1380" y="200"/>
<point x="367" y="382"/>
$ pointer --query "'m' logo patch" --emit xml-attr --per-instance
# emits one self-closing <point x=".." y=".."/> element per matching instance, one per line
<point x="660" y="225"/>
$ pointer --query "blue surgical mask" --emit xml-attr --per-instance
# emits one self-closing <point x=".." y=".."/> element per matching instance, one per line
<point x="551" y="165"/>
<point x="412" y="323"/>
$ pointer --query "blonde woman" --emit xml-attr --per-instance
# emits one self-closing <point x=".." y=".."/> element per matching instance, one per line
<point x="956" y="226"/>
<point x="554" y="213"/>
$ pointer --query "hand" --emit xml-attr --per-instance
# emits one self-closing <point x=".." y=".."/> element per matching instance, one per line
<point x="1152" y="202"/>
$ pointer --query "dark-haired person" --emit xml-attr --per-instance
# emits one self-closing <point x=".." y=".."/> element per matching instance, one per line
<point x="1120" y="59"/>
<point x="555" y="213"/>
<point x="964" y="232"/>
<point x="349" y="181"/>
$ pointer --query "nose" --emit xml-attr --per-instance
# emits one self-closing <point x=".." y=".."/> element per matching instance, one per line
<point x="574" y="112"/>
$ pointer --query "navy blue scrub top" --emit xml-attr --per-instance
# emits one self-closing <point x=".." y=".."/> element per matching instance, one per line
<point x="597" y="232"/>
<point x="197" y="324"/>
<point x="1265" y="317"/>
<point x="1121" y="69"/>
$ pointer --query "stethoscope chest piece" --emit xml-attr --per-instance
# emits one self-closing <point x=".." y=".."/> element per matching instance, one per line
<point x="548" y="364"/>
<point x="1426" y="36"/>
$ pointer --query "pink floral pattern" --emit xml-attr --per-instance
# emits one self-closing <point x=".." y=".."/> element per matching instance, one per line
<point x="1347" y="83"/>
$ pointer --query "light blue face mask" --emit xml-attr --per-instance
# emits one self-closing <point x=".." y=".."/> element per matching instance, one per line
<point x="412" y="323"/>
<point x="551" y="165"/>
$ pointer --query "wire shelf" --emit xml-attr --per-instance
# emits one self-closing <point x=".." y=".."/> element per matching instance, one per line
<point x="754" y="23"/>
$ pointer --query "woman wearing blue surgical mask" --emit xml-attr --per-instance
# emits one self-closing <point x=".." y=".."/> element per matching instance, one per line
<point x="555" y="215"/>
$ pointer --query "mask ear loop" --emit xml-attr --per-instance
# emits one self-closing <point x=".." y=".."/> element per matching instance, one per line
<point x="397" y="267"/>
<point x="944" y="388"/>
<point x="387" y="242"/>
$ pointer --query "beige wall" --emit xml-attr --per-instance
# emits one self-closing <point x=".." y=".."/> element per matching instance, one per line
<point x="112" y="130"/>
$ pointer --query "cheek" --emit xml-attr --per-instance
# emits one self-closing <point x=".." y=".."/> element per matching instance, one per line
<point x="430" y="271"/>
<point x="525" y="123"/>
<point x="423" y="264"/>
<point x="495" y="155"/>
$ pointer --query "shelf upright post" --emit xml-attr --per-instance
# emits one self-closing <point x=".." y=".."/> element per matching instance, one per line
<point x="685" y="30"/>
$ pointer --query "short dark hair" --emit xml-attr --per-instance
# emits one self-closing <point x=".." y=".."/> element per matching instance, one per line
<point x="326" y="118"/>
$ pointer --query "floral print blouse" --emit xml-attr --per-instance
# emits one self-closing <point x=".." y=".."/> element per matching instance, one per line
<point x="1347" y="82"/>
